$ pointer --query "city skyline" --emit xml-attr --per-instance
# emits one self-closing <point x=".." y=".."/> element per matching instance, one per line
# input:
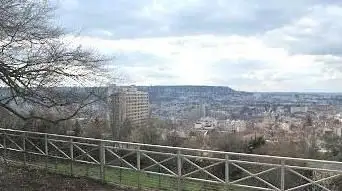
<point x="255" y="46"/>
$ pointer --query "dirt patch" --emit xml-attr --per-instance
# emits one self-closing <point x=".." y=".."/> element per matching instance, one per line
<point x="14" y="178"/>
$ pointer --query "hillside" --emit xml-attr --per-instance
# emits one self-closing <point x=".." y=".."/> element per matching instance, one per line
<point x="187" y="88"/>
<point x="168" y="93"/>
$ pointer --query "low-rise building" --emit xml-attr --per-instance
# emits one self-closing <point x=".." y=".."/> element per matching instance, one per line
<point x="235" y="126"/>
<point x="207" y="123"/>
<point x="296" y="109"/>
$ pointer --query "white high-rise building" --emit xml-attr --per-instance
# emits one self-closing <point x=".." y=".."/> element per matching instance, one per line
<point x="129" y="104"/>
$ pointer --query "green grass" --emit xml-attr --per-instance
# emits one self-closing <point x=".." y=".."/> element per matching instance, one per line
<point x="124" y="177"/>
<point x="132" y="178"/>
<point x="128" y="177"/>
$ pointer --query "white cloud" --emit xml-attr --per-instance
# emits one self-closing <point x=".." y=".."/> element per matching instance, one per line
<point x="248" y="45"/>
<point x="68" y="4"/>
<point x="316" y="32"/>
<point x="199" y="59"/>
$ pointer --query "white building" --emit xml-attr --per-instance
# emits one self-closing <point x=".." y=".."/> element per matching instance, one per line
<point x="235" y="125"/>
<point x="285" y="126"/>
<point x="206" y="123"/>
<point x="303" y="109"/>
<point x="338" y="131"/>
<point x="127" y="103"/>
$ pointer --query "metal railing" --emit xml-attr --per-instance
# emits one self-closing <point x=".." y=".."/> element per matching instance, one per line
<point x="164" y="167"/>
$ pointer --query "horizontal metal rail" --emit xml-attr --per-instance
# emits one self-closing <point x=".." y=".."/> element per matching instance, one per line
<point x="173" y="148"/>
<point x="184" y="165"/>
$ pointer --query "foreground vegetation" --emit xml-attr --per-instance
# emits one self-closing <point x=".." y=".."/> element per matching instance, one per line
<point x="14" y="178"/>
<point x="121" y="178"/>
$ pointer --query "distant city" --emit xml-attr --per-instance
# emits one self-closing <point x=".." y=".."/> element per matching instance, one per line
<point x="203" y="109"/>
<point x="276" y="116"/>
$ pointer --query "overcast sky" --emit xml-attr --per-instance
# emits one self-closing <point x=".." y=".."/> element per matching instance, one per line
<point x="251" y="45"/>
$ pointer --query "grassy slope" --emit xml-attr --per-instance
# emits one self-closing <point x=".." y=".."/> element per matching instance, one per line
<point x="135" y="179"/>
<point x="14" y="178"/>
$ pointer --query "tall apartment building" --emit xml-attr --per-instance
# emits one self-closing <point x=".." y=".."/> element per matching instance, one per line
<point x="127" y="103"/>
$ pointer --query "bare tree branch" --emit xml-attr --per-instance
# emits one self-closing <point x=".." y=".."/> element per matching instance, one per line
<point x="34" y="60"/>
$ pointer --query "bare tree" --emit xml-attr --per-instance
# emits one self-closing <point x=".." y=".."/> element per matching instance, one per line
<point x="35" y="59"/>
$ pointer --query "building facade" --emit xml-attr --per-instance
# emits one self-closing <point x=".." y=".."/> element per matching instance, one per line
<point x="128" y="104"/>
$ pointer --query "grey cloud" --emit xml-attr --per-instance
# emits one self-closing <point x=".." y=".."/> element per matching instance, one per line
<point x="114" y="19"/>
<point x="323" y="38"/>
<point x="147" y="66"/>
<point x="236" y="81"/>
<point x="159" y="74"/>
<point x="322" y="43"/>
<point x="255" y="74"/>
<point x="235" y="17"/>
<point x="324" y="85"/>
<point x="231" y="73"/>
<point x="138" y="59"/>
<point x="288" y="84"/>
<point x="240" y="67"/>
<point x="124" y="18"/>
<point x="333" y="65"/>
<point x="116" y="16"/>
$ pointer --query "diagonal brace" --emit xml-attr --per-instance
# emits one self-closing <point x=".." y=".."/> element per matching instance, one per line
<point x="254" y="176"/>
<point x="317" y="181"/>
<point x="205" y="171"/>
<point x="87" y="154"/>
<point x="121" y="159"/>
<point x="34" y="145"/>
<point x="59" y="150"/>
<point x="14" y="143"/>
<point x="128" y="154"/>
<point x="84" y="154"/>
<point x="168" y="159"/>
<point x="205" y="168"/>
<point x="156" y="162"/>
<point x="308" y="179"/>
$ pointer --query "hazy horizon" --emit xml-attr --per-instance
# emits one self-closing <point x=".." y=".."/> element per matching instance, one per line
<point x="182" y="85"/>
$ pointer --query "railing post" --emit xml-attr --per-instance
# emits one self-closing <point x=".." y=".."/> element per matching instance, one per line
<point x="159" y="178"/>
<point x="120" y="173"/>
<point x="227" y="172"/>
<point x="179" y="170"/>
<point x="56" y="164"/>
<point x="282" y="181"/>
<point x="102" y="161"/>
<point x="46" y="150"/>
<point x="24" y="147"/>
<point x="71" y="156"/>
<point x="5" y="147"/>
<point x="139" y="166"/>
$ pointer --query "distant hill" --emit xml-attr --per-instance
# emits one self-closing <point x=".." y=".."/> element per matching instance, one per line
<point x="187" y="88"/>
<point x="164" y="93"/>
<point x="156" y="93"/>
